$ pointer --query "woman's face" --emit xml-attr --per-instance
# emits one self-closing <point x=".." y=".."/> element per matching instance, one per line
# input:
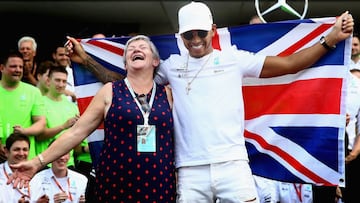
<point x="140" y="56"/>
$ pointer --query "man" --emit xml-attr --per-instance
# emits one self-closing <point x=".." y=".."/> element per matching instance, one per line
<point x="211" y="157"/>
<point x="27" y="47"/>
<point x="83" y="165"/>
<point x="21" y="104"/>
<point x="355" y="53"/>
<point x="61" y="58"/>
<point x="16" y="150"/>
<point x="61" y="114"/>
<point x="352" y="167"/>
<point x="82" y="158"/>
<point x="42" y="75"/>
<point x="293" y="192"/>
<point x="59" y="183"/>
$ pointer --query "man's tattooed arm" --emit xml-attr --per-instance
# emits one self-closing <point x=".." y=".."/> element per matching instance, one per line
<point x="101" y="73"/>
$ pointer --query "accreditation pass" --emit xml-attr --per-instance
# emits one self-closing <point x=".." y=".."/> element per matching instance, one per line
<point x="146" y="138"/>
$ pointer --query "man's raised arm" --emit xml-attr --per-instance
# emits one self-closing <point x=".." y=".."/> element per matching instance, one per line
<point x="78" y="55"/>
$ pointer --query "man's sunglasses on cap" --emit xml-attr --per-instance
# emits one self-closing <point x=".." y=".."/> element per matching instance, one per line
<point x="190" y="34"/>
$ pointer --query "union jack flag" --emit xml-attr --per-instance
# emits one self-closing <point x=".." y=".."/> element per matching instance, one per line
<point x="294" y="124"/>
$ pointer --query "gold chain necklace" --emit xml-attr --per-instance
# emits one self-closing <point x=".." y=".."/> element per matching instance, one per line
<point x="188" y="85"/>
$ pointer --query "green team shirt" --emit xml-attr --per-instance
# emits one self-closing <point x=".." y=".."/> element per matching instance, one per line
<point x="57" y="113"/>
<point x="17" y="108"/>
<point x="86" y="157"/>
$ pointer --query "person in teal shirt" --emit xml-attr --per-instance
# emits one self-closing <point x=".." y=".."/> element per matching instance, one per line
<point x="60" y="113"/>
<point x="21" y="104"/>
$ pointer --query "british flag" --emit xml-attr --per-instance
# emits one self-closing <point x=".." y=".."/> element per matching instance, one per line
<point x="294" y="124"/>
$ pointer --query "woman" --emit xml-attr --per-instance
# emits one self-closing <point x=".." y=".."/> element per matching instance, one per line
<point x="137" y="160"/>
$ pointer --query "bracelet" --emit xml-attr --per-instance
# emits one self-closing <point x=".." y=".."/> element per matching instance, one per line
<point x="323" y="42"/>
<point x="41" y="159"/>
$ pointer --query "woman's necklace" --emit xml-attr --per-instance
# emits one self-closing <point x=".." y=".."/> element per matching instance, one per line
<point x="188" y="85"/>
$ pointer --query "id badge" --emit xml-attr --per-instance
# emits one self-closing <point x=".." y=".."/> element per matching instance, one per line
<point x="146" y="138"/>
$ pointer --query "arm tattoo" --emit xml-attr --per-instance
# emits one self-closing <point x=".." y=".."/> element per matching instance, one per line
<point x="101" y="73"/>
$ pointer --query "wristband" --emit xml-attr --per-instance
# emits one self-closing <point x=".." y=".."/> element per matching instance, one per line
<point x="323" y="42"/>
<point x="41" y="159"/>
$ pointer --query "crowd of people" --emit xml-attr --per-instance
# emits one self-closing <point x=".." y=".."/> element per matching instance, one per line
<point x="161" y="144"/>
<point x="39" y="112"/>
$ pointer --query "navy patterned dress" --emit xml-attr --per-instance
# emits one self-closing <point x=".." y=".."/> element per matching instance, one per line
<point x="125" y="175"/>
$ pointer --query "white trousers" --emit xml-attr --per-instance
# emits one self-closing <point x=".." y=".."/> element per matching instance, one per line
<point x="225" y="182"/>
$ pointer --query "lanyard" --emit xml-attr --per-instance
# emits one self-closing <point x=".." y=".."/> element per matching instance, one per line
<point x="23" y="194"/>
<point x="298" y="190"/>
<point x="145" y="114"/>
<point x="62" y="190"/>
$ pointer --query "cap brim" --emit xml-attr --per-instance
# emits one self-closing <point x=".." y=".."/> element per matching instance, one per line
<point x="194" y="27"/>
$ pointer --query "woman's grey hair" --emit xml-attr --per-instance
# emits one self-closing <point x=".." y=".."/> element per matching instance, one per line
<point x="146" y="39"/>
<point x="28" y="38"/>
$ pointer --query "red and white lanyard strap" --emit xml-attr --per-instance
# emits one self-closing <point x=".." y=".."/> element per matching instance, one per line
<point x="62" y="190"/>
<point x="298" y="190"/>
<point x="17" y="189"/>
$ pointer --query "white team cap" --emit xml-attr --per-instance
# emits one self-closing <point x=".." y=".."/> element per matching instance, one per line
<point x="194" y="16"/>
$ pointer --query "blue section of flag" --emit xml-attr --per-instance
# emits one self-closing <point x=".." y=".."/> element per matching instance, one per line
<point x="166" y="44"/>
<point x="334" y="57"/>
<point x="264" y="165"/>
<point x="321" y="142"/>
<point x="95" y="149"/>
<point x="82" y="76"/>
<point x="249" y="37"/>
<point x="311" y="138"/>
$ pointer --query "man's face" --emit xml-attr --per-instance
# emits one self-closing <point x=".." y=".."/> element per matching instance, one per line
<point x="42" y="79"/>
<point x="60" y="57"/>
<point x="355" y="49"/>
<point x="18" y="152"/>
<point x="61" y="163"/>
<point x="26" y="49"/>
<point x="57" y="83"/>
<point x="197" y="44"/>
<point x="12" y="71"/>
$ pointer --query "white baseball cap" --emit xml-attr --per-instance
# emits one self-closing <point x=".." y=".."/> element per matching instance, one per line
<point x="194" y="16"/>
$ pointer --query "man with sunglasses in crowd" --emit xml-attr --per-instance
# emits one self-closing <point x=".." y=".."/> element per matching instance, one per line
<point x="211" y="156"/>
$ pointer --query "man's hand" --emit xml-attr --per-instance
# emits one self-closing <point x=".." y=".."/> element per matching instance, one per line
<point x="23" y="200"/>
<point x="70" y="122"/>
<point x="82" y="199"/>
<point x="343" y="28"/>
<point x="43" y="199"/>
<point x="75" y="51"/>
<point x="350" y="157"/>
<point x="60" y="197"/>
<point x="18" y="129"/>
<point x="71" y="94"/>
